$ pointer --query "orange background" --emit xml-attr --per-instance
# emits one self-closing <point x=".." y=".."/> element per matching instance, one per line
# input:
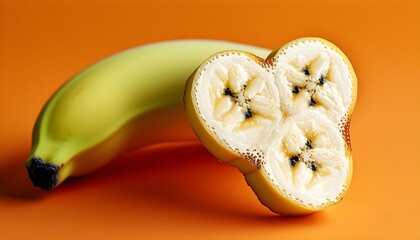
<point x="182" y="192"/>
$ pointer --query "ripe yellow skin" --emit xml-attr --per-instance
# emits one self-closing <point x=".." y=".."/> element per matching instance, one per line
<point x="121" y="103"/>
<point x="265" y="190"/>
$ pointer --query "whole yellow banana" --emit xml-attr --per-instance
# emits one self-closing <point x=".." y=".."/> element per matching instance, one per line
<point x="124" y="102"/>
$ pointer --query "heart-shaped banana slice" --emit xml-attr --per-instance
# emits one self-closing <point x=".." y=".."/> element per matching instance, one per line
<point x="282" y="121"/>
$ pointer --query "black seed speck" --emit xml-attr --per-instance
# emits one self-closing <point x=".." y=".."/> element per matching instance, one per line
<point x="294" y="160"/>
<point x="309" y="144"/>
<point x="248" y="113"/>
<point x="321" y="80"/>
<point x="306" y="71"/>
<point x="312" y="102"/>
<point x="228" y="92"/>
<point x="295" y="90"/>
<point x="313" y="167"/>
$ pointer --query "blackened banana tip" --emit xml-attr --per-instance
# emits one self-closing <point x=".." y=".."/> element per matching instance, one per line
<point x="43" y="175"/>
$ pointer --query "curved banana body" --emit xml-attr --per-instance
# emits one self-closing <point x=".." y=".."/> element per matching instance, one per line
<point x="124" y="102"/>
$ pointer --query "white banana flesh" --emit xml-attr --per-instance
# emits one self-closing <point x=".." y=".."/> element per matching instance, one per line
<point x="239" y="101"/>
<point x="312" y="75"/>
<point x="309" y="159"/>
<point x="287" y="115"/>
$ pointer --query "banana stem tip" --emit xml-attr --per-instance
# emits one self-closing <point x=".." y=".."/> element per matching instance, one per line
<point x="43" y="175"/>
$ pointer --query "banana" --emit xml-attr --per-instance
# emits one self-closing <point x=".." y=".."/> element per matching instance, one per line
<point x="282" y="121"/>
<point x="124" y="102"/>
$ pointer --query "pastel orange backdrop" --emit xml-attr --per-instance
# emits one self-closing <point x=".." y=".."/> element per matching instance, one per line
<point x="181" y="191"/>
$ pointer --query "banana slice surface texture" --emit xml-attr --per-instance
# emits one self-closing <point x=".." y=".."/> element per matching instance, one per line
<point x="282" y="121"/>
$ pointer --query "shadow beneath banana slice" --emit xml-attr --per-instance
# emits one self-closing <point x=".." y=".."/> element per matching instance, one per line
<point x="160" y="182"/>
<point x="185" y="179"/>
<point x="14" y="180"/>
<point x="317" y="218"/>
